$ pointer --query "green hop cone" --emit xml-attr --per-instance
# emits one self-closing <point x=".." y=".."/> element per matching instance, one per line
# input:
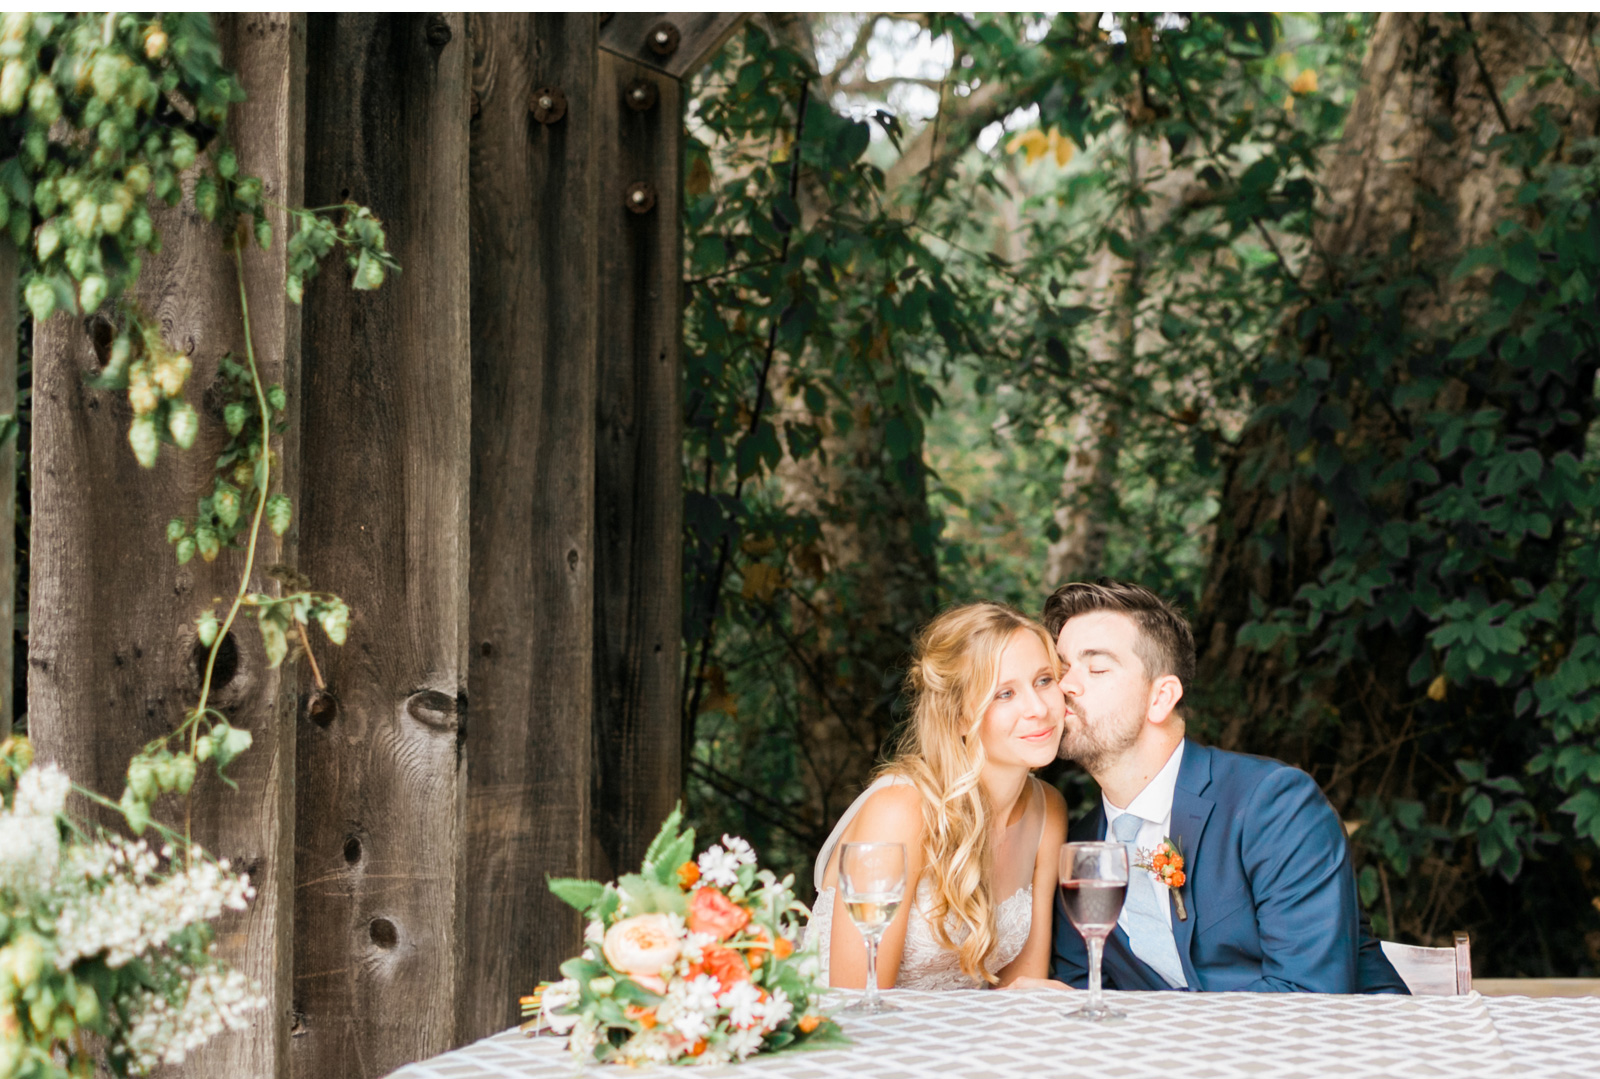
<point x="136" y="812"/>
<point x="84" y="215"/>
<point x="277" y="398"/>
<point x="48" y="242"/>
<point x="86" y="1005"/>
<point x="41" y="299"/>
<point x="112" y="216"/>
<point x="142" y="778"/>
<point x="138" y="179"/>
<point x="369" y="273"/>
<point x="206" y="541"/>
<point x="166" y="772"/>
<point x="176" y="530"/>
<point x="227" y="163"/>
<point x="274" y="640"/>
<point x="203" y="748"/>
<point x="205" y="628"/>
<point x="335" y="621"/>
<point x="44" y="102"/>
<point x="225" y="503"/>
<point x="263" y="233"/>
<point x="145" y="441"/>
<point x="185" y="551"/>
<point x="183" y="774"/>
<point x="295" y="286"/>
<point x="205" y="197"/>
<point x="279" y="512"/>
<point x="92" y="292"/>
<point x="13" y="86"/>
<point x="184" y="423"/>
<point x="105" y="75"/>
<point x="234" y="415"/>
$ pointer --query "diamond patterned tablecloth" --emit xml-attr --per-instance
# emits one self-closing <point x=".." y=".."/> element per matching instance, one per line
<point x="1026" y="1035"/>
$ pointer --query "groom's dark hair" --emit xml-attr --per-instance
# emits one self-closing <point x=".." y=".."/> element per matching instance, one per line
<point x="1165" y="643"/>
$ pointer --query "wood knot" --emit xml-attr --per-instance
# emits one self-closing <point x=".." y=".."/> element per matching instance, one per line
<point x="383" y="933"/>
<point x="322" y="708"/>
<point x="438" y="32"/>
<point x="432" y="709"/>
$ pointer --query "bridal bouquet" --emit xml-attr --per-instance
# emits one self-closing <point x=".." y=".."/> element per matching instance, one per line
<point x="688" y="961"/>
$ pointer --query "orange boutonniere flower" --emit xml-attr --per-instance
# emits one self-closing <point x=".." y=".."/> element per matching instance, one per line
<point x="1166" y="863"/>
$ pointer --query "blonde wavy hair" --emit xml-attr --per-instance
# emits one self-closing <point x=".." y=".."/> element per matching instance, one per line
<point x="954" y="673"/>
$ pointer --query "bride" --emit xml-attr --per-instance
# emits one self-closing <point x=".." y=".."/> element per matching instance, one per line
<point x="981" y="834"/>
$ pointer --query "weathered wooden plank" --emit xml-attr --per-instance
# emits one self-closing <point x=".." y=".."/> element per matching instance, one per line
<point x="534" y="310"/>
<point x="8" y="484"/>
<point x="385" y="442"/>
<point x="675" y="43"/>
<point x="638" y="482"/>
<point x="112" y="650"/>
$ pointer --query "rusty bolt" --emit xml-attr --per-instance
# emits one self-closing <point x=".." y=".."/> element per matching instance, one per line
<point x="438" y="31"/>
<point x="640" y="95"/>
<point x="663" y="39"/>
<point x="548" y="104"/>
<point x="641" y="197"/>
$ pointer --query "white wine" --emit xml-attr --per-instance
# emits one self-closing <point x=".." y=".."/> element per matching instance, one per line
<point x="872" y="913"/>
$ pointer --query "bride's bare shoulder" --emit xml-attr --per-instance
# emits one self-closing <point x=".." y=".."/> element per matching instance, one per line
<point x="892" y="813"/>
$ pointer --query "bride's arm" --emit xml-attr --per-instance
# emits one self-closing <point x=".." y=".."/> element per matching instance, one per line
<point x="892" y="815"/>
<point x="1034" y="961"/>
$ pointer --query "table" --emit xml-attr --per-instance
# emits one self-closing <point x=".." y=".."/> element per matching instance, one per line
<point x="1025" y="1035"/>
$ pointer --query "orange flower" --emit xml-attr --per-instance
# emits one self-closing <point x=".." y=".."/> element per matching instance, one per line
<point x="688" y="875"/>
<point x="723" y="964"/>
<point x="783" y="948"/>
<point x="808" y="1023"/>
<point x="1177" y="879"/>
<point x="645" y="1017"/>
<point x="697" y="1048"/>
<point x="712" y="912"/>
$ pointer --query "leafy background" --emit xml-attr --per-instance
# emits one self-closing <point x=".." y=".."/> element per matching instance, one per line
<point x="980" y="304"/>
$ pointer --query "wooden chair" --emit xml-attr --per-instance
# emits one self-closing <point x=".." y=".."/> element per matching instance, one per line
<point x="1433" y="972"/>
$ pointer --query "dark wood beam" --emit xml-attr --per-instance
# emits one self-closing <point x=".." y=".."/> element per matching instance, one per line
<point x="675" y="43"/>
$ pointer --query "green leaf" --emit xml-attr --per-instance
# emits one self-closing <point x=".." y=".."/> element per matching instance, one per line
<point x="273" y="638"/>
<point x="581" y="894"/>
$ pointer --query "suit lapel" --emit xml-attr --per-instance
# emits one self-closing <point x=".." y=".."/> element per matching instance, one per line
<point x="1190" y="812"/>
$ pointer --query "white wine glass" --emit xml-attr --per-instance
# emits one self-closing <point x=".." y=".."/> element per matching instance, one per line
<point x="1094" y="882"/>
<point x="872" y="884"/>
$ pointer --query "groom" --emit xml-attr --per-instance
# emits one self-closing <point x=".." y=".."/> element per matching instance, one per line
<point x="1270" y="896"/>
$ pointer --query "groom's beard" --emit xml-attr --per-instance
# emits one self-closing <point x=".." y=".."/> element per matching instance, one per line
<point x="1096" y="743"/>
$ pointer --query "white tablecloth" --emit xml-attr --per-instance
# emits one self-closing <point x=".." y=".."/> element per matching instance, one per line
<point x="1026" y="1035"/>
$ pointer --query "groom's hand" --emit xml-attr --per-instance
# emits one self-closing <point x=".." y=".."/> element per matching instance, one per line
<point x="1039" y="983"/>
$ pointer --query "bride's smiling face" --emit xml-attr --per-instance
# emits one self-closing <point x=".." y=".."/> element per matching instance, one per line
<point x="1022" y="724"/>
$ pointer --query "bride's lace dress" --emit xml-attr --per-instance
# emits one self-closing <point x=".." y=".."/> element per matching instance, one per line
<point x="924" y="963"/>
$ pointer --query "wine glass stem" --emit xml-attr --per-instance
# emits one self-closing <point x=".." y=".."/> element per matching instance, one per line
<point x="1096" y="949"/>
<point x="871" y="999"/>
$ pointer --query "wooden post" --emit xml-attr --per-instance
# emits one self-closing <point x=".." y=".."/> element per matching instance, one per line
<point x="535" y="304"/>
<point x="8" y="484"/>
<point x="112" y="650"/>
<point x="386" y="413"/>
<point x="638" y="471"/>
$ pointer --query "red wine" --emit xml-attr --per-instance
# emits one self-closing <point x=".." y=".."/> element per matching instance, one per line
<point x="1093" y="905"/>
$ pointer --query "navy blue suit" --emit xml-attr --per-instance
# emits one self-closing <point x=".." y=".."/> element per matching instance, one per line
<point x="1271" y="894"/>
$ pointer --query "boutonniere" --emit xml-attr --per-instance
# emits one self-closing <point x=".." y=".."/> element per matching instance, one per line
<point x="1166" y="862"/>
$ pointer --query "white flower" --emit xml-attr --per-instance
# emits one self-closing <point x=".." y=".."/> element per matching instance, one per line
<point x="41" y="792"/>
<point x="744" y="1043"/>
<point x="698" y="994"/>
<point x="1170" y="20"/>
<point x="215" y="1001"/>
<point x="557" y="996"/>
<point x="694" y="946"/>
<point x="743" y="1002"/>
<point x="742" y="852"/>
<point x="691" y="1026"/>
<point x="595" y="931"/>
<point x="776" y="1009"/>
<point x="719" y="867"/>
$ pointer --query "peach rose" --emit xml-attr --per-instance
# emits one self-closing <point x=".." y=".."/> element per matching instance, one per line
<point x="712" y="912"/>
<point x="641" y="946"/>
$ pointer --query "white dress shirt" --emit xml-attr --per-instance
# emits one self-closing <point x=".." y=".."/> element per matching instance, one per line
<point x="1154" y="804"/>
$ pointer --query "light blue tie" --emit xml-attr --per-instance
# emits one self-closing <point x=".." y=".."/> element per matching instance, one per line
<point x="1149" y="934"/>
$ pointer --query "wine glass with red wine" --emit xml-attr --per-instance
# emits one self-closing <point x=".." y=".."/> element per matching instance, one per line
<point x="1094" y="882"/>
